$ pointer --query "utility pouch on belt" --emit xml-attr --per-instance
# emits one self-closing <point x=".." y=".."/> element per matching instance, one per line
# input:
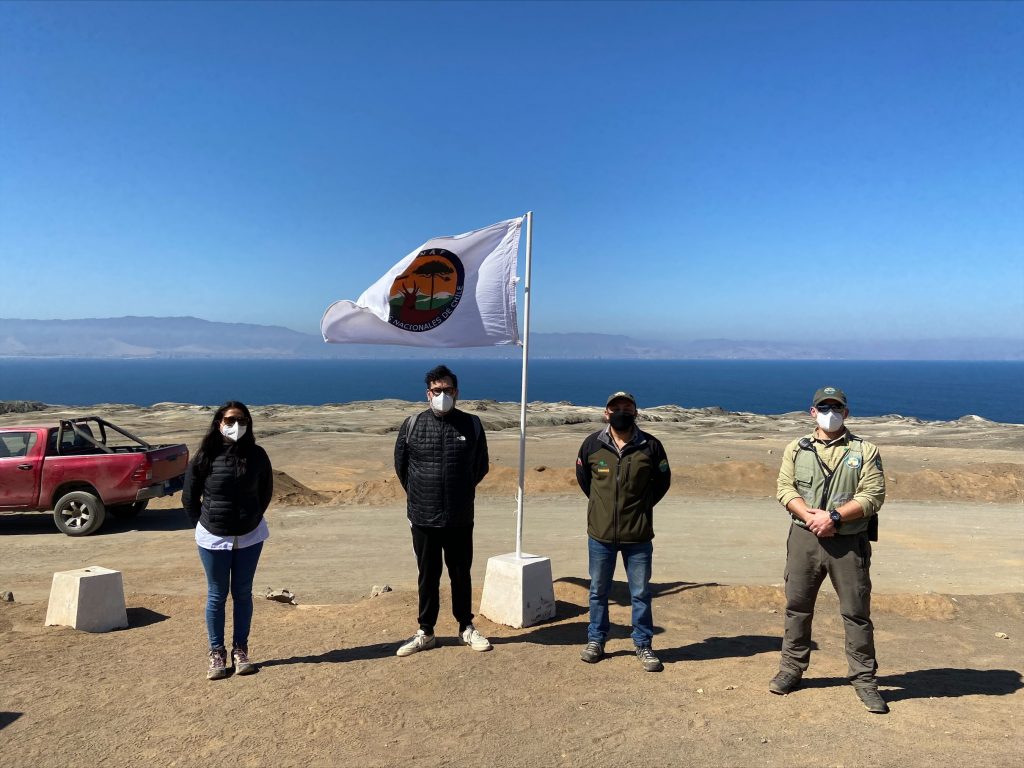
<point x="873" y="528"/>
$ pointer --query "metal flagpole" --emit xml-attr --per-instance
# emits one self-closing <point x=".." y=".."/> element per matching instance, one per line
<point x="522" y="403"/>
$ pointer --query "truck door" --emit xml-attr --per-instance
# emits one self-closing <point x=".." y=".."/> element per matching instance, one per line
<point x="20" y="469"/>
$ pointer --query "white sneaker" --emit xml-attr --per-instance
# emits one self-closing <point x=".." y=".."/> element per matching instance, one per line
<point x="474" y="639"/>
<point x="421" y="641"/>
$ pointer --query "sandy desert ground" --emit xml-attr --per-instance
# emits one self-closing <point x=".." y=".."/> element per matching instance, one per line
<point x="948" y="575"/>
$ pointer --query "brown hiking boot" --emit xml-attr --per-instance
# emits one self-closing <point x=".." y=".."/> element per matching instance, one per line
<point x="218" y="664"/>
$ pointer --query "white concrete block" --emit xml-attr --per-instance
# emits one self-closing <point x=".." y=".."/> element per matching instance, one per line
<point x="90" y="599"/>
<point x="518" y="591"/>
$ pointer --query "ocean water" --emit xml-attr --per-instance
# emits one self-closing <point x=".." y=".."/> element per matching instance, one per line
<point x="927" y="390"/>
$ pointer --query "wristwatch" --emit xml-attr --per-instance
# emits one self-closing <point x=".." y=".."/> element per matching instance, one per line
<point x="836" y="517"/>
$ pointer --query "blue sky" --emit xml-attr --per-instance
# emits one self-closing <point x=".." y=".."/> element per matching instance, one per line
<point x="728" y="170"/>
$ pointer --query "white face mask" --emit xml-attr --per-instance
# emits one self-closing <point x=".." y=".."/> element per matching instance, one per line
<point x="234" y="432"/>
<point x="441" y="403"/>
<point x="831" y="421"/>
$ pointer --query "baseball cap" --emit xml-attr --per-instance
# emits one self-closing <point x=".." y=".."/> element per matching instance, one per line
<point x="829" y="393"/>
<point x="620" y="396"/>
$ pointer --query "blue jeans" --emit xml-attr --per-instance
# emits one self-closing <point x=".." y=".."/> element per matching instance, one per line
<point x="636" y="558"/>
<point x="229" y="570"/>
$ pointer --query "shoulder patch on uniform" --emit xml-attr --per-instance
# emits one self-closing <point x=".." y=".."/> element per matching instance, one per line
<point x="663" y="465"/>
<point x="878" y="461"/>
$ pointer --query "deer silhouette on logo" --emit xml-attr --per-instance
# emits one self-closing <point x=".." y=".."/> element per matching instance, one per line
<point x="407" y="312"/>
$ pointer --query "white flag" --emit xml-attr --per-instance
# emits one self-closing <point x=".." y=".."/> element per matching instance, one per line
<point x="450" y="292"/>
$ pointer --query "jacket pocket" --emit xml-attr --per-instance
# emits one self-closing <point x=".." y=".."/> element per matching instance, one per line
<point x="599" y="521"/>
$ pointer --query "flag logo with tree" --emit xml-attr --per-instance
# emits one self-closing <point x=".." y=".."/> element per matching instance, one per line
<point x="414" y="303"/>
<point x="427" y="293"/>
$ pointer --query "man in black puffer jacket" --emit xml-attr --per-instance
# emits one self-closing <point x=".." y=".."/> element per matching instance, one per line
<point x="440" y="457"/>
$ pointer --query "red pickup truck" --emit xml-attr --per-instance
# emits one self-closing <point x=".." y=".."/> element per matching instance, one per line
<point x="84" y="468"/>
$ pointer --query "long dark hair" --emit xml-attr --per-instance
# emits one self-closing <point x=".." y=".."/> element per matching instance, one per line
<point x="213" y="442"/>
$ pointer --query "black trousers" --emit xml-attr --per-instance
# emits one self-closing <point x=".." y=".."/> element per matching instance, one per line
<point x="456" y="547"/>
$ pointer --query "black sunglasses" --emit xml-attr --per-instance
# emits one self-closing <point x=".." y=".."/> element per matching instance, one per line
<point x="231" y="420"/>
<point x="826" y="407"/>
<point x="442" y="391"/>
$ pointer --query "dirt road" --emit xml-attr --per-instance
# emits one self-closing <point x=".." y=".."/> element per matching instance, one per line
<point x="336" y="554"/>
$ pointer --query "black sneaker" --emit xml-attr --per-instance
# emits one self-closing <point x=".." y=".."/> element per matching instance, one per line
<point x="592" y="652"/>
<point x="218" y="664"/>
<point x="784" y="682"/>
<point x="872" y="699"/>
<point x="651" y="662"/>
<point x="240" y="660"/>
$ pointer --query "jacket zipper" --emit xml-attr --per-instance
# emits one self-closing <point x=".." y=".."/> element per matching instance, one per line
<point x="625" y="480"/>
<point x="615" y="503"/>
<point x="444" y="471"/>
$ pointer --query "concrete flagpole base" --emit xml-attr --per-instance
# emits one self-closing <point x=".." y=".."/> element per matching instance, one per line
<point x="518" y="591"/>
<point x="90" y="599"/>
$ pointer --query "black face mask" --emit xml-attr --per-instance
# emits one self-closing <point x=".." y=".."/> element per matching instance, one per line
<point x="622" y="421"/>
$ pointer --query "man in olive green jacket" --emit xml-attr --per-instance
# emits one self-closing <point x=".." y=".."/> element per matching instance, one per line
<point x="624" y="472"/>
<point x="832" y="485"/>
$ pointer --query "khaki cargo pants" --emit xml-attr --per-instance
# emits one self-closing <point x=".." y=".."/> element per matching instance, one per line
<point x="847" y="561"/>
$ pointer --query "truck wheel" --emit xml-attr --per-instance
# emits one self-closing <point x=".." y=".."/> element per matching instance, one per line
<point x="79" y="513"/>
<point x="127" y="511"/>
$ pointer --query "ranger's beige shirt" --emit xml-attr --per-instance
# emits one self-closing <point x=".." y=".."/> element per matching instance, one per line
<point x="871" y="487"/>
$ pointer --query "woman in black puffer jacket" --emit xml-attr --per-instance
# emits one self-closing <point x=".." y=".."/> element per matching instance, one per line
<point x="228" y="487"/>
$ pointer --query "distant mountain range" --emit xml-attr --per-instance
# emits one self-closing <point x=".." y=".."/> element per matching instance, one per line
<point x="190" y="337"/>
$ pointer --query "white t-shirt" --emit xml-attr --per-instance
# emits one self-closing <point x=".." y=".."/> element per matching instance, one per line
<point x="208" y="540"/>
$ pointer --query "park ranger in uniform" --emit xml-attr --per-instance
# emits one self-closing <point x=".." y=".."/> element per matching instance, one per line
<point x="832" y="485"/>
